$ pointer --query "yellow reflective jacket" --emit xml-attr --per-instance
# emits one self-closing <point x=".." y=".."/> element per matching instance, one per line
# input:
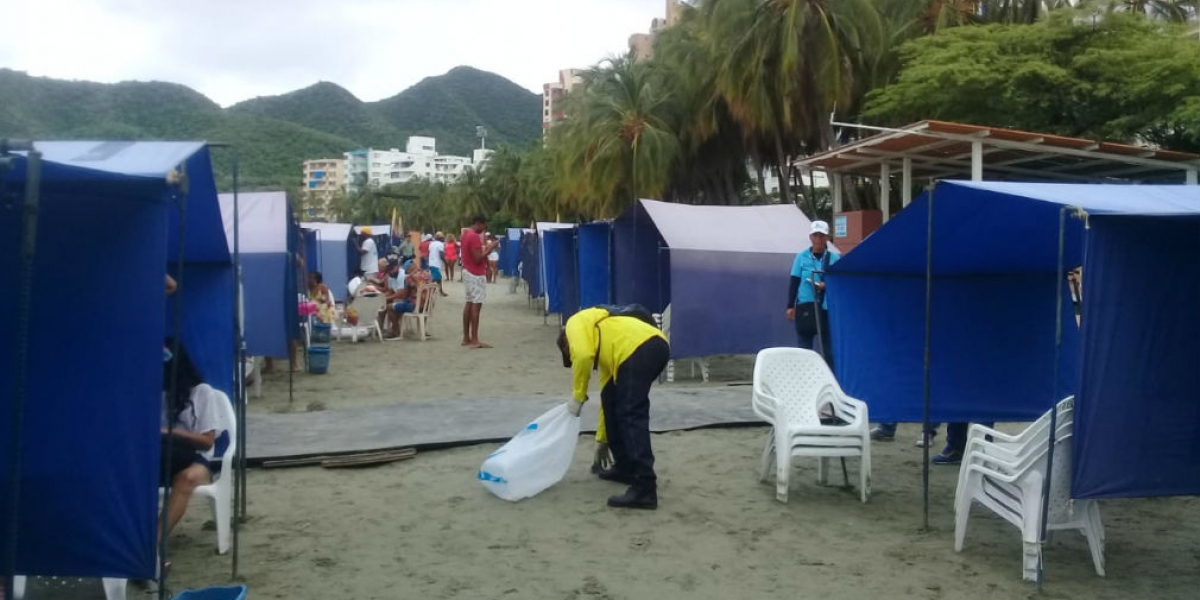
<point x="591" y="332"/>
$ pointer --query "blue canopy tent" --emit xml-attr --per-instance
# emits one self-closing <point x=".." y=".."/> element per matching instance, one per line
<point x="531" y="260"/>
<point x="312" y="250"/>
<point x="993" y="257"/>
<point x="510" y="256"/>
<point x="269" y="278"/>
<point x="562" y="276"/>
<point x="595" y="263"/>
<point x="97" y="517"/>
<point x="334" y="255"/>
<point x="723" y="270"/>
<point x="547" y="265"/>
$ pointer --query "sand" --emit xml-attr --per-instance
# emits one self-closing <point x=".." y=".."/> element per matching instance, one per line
<point x="425" y="528"/>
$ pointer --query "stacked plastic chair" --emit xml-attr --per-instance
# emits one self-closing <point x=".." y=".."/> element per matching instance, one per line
<point x="810" y="415"/>
<point x="1005" y="474"/>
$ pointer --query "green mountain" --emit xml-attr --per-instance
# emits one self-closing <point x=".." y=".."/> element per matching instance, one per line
<point x="274" y="134"/>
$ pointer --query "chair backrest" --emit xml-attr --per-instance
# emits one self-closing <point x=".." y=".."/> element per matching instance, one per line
<point x="368" y="307"/>
<point x="426" y="298"/>
<point x="227" y="421"/>
<point x="799" y="381"/>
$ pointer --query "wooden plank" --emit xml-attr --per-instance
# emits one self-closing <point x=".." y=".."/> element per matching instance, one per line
<point x="367" y="459"/>
<point x="362" y="457"/>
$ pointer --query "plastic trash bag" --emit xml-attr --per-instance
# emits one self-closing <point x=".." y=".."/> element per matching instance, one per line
<point x="535" y="459"/>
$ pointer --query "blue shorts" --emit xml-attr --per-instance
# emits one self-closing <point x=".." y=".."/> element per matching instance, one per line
<point x="402" y="307"/>
<point x="435" y="273"/>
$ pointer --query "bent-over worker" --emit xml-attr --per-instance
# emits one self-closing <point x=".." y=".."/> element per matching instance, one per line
<point x="630" y="354"/>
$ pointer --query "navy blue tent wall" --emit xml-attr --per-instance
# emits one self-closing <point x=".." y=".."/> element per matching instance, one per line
<point x="510" y="256"/>
<point x="1137" y="424"/>
<point x="562" y="280"/>
<point x="640" y="271"/>
<point x="531" y="257"/>
<point x="312" y="251"/>
<point x="97" y="517"/>
<point x="595" y="264"/>
<point x="333" y="250"/>
<point x="270" y="280"/>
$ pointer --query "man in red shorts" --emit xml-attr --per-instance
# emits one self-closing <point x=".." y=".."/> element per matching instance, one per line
<point x="475" y="263"/>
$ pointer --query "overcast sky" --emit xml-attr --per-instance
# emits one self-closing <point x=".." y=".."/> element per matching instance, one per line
<point x="233" y="50"/>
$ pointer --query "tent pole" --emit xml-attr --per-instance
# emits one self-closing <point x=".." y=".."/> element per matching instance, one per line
<point x="928" y="339"/>
<point x="239" y="471"/>
<point x="172" y="391"/>
<point x="1058" y="286"/>
<point x="33" y="184"/>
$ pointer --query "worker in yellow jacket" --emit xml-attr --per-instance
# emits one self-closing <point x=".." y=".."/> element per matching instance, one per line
<point x="630" y="354"/>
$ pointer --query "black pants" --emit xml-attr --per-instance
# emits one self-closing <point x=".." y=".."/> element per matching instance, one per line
<point x="806" y="332"/>
<point x="626" y="402"/>
<point x="956" y="435"/>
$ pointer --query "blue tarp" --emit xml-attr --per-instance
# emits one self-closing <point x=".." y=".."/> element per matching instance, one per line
<point x="530" y="260"/>
<point x="312" y="250"/>
<point x="995" y="270"/>
<point x="562" y="281"/>
<point x="97" y="516"/>
<point x="595" y="263"/>
<point x="269" y="278"/>
<point x="335" y="244"/>
<point x="510" y="256"/>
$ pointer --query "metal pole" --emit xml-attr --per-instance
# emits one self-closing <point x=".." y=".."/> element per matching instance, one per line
<point x="33" y="177"/>
<point x="1062" y="228"/>
<point x="928" y="340"/>
<point x="172" y="389"/>
<point x="239" y="506"/>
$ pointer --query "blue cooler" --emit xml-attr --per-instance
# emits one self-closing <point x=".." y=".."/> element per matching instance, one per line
<point x="318" y="360"/>
<point x="237" y="592"/>
<point x="321" y="333"/>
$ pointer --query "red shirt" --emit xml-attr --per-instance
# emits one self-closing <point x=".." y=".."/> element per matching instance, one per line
<point x="471" y="241"/>
<point x="425" y="248"/>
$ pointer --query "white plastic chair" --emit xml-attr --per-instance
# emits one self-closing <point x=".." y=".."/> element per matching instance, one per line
<point x="219" y="493"/>
<point x="368" y="307"/>
<point x="426" y="300"/>
<point x="1008" y="481"/>
<point x="791" y="386"/>
<point x="254" y="375"/>
<point x="114" y="588"/>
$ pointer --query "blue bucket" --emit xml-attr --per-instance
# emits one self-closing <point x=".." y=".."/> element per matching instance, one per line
<point x="321" y="333"/>
<point x="235" y="592"/>
<point x="318" y="360"/>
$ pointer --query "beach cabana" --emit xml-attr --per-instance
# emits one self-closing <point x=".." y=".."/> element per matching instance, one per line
<point x="998" y="297"/>
<point x="131" y="211"/>
<point x="268" y="238"/>
<point x="594" y="263"/>
<point x="547" y="263"/>
<point x="561" y="271"/>
<point x="335" y="244"/>
<point x="722" y="269"/>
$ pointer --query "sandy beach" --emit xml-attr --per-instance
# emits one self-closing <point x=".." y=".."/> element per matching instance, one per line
<point x="425" y="528"/>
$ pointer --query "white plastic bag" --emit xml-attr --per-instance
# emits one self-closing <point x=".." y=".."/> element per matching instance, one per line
<point x="535" y="459"/>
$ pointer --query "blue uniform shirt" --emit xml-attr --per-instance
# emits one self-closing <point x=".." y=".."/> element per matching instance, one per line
<point x="804" y="267"/>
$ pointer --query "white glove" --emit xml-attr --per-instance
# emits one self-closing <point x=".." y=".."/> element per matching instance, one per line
<point x="574" y="406"/>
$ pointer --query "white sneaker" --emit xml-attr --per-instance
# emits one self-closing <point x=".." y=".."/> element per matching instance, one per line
<point x="925" y="440"/>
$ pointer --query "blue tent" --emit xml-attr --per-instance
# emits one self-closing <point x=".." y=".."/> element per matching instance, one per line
<point x="89" y="509"/>
<point x="312" y="250"/>
<point x="530" y="261"/>
<point x="335" y="244"/>
<point x="269" y="279"/>
<point x="562" y="276"/>
<point x="996" y="288"/>
<point x="547" y="267"/>
<point x="595" y="263"/>
<point x="722" y="269"/>
<point x="510" y="255"/>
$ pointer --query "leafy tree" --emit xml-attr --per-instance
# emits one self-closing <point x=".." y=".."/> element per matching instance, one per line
<point x="1123" y="77"/>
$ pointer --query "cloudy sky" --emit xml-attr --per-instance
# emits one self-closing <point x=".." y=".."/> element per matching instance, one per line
<point x="233" y="50"/>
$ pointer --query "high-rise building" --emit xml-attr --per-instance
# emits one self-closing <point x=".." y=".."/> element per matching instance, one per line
<point x="642" y="44"/>
<point x="324" y="178"/>
<point x="553" y="95"/>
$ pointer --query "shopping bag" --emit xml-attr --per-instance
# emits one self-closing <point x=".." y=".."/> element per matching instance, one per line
<point x="535" y="459"/>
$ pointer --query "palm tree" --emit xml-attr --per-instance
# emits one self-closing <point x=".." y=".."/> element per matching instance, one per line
<point x="619" y="142"/>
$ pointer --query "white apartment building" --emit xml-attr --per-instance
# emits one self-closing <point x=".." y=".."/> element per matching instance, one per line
<point x="376" y="168"/>
<point x="323" y="179"/>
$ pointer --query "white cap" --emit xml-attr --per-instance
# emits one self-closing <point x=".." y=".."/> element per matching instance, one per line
<point x="819" y="227"/>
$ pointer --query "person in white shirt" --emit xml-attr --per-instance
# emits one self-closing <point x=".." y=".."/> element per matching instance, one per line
<point x="368" y="253"/>
<point x="193" y="438"/>
<point x="437" y="259"/>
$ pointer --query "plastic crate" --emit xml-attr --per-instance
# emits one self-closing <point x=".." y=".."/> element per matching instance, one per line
<point x="233" y="592"/>
<point x="321" y="333"/>
<point x="318" y="360"/>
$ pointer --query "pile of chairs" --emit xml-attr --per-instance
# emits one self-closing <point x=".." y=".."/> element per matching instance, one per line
<point x="1006" y="473"/>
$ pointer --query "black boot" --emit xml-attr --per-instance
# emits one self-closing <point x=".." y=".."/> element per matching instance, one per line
<point x="636" y="497"/>
<point x="615" y="475"/>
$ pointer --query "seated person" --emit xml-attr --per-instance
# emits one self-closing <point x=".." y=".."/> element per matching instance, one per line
<point x="190" y="429"/>
<point x="402" y="299"/>
<point x="319" y="293"/>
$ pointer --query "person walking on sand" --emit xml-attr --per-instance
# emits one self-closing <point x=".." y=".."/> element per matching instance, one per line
<point x="630" y="354"/>
<point x="474" y="258"/>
